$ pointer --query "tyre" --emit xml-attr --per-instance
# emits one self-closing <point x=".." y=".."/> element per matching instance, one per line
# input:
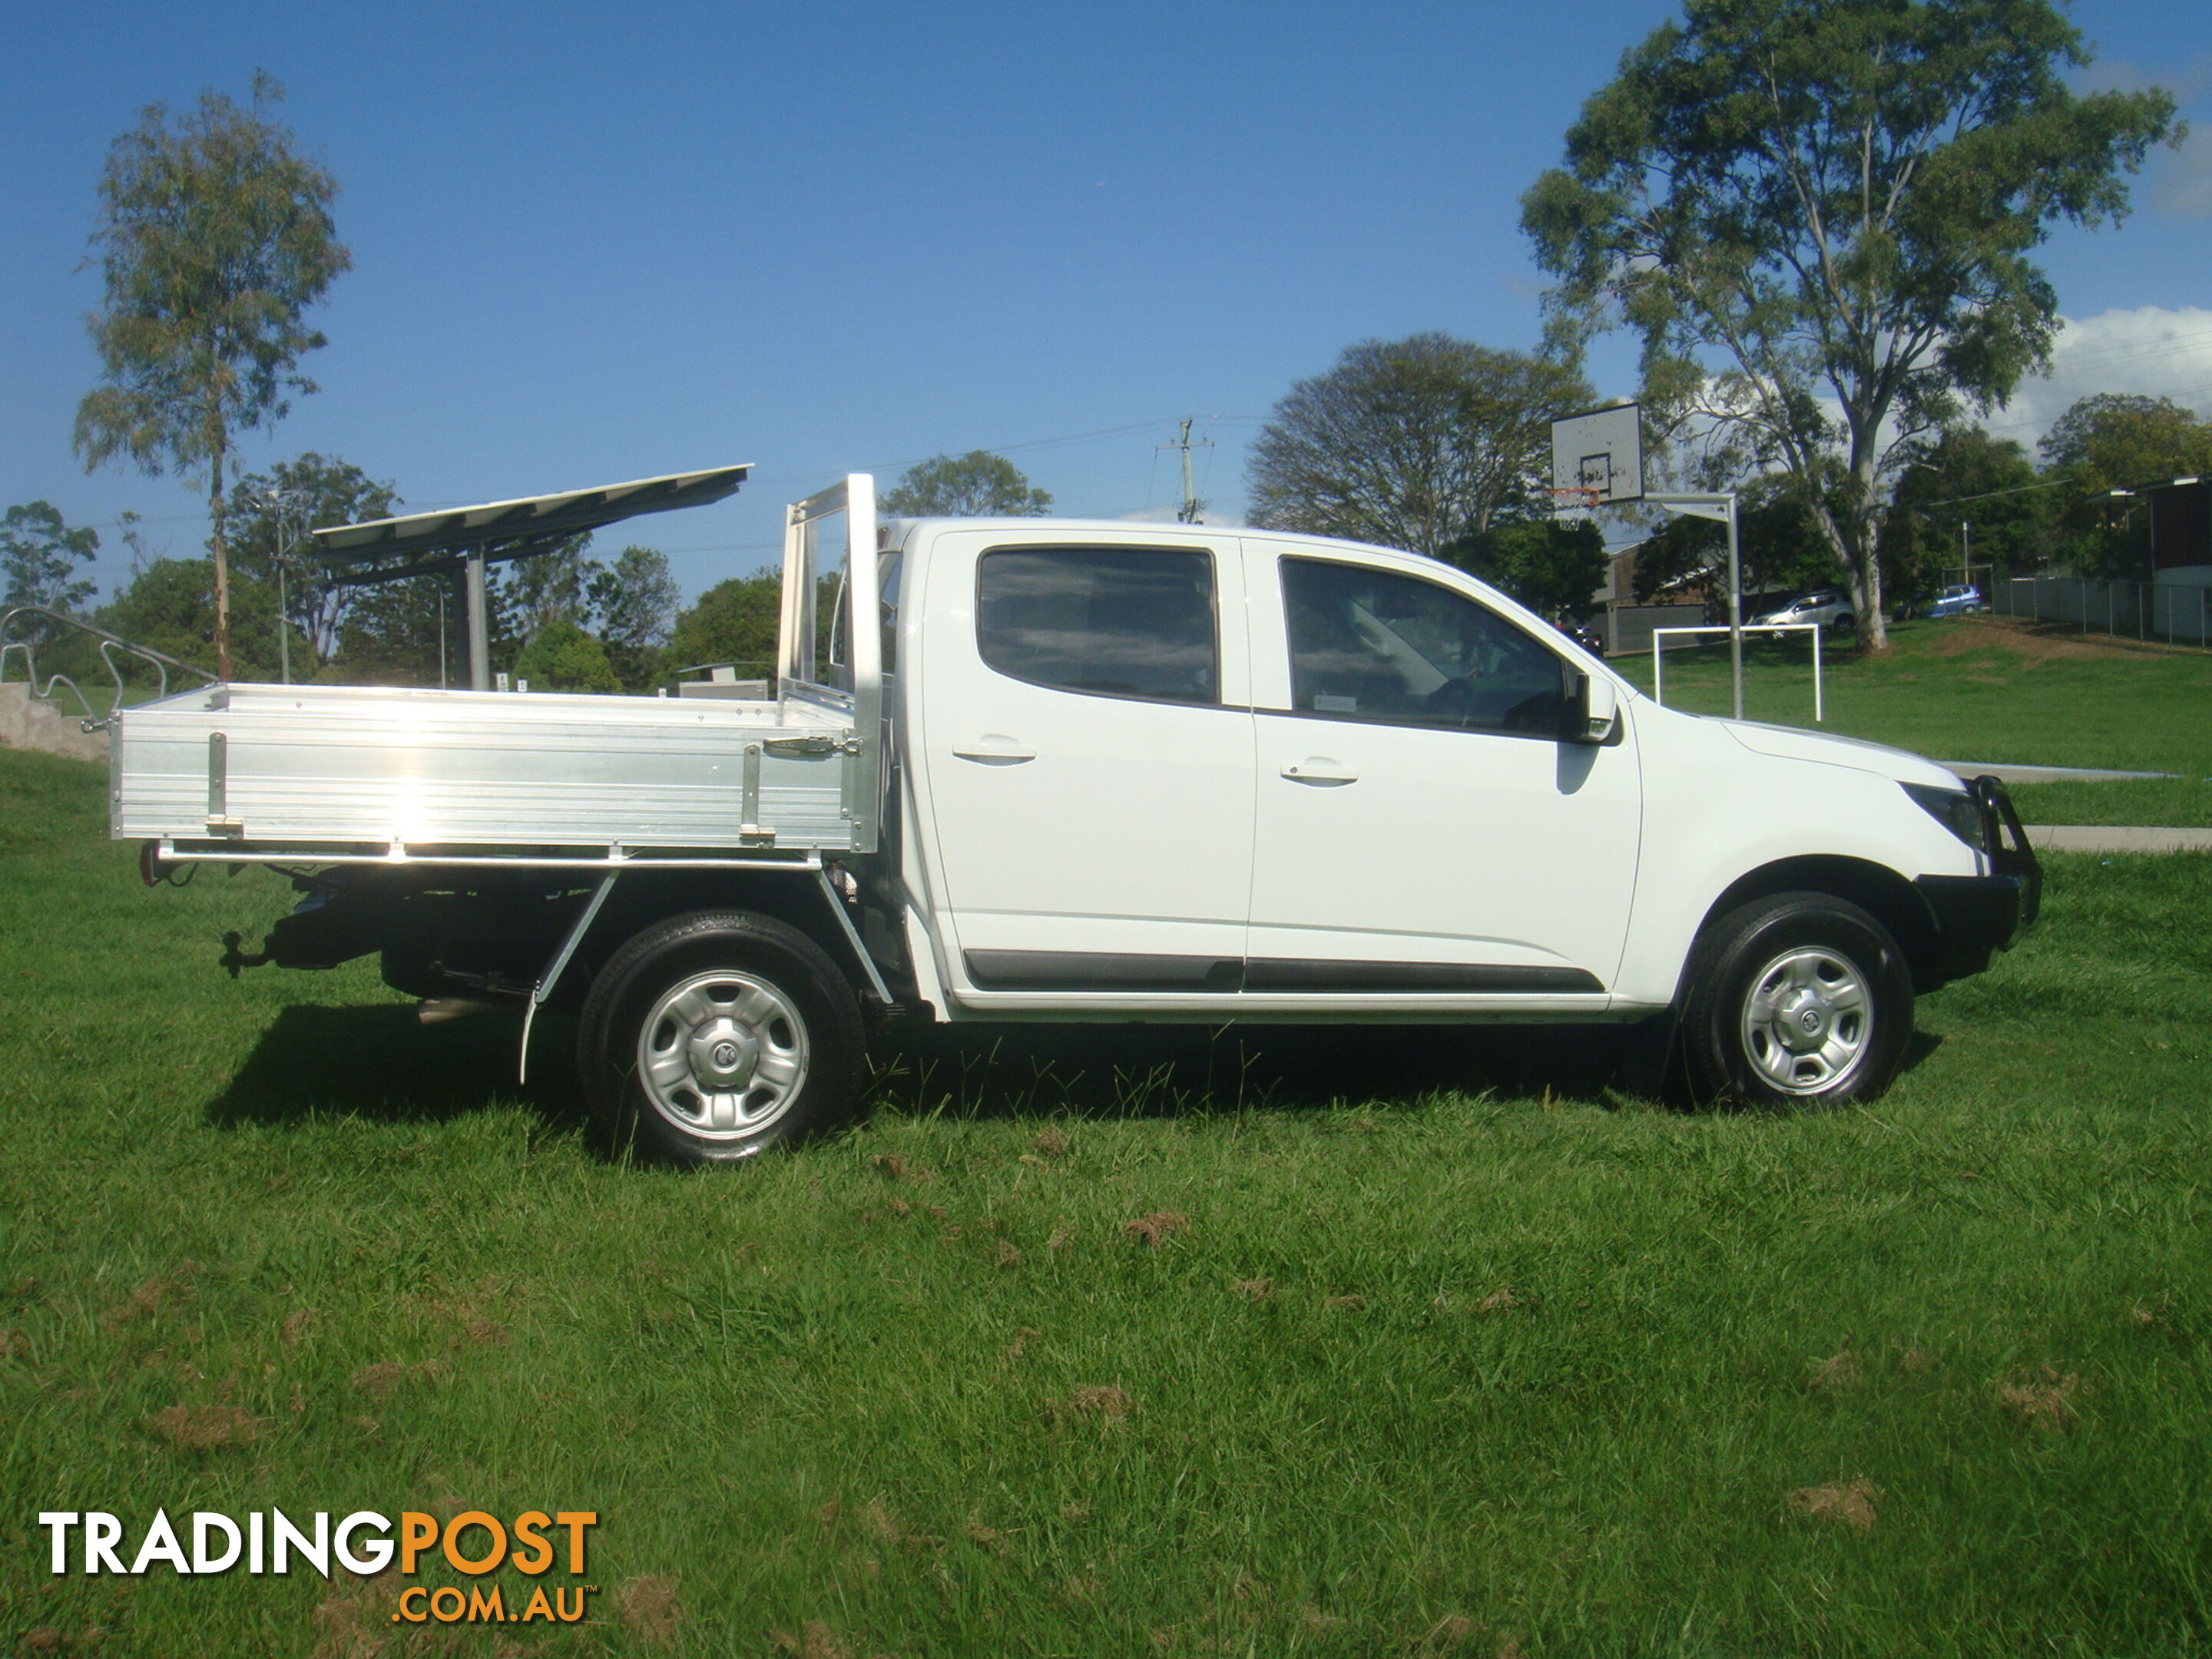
<point x="1798" y="999"/>
<point x="710" y="1037"/>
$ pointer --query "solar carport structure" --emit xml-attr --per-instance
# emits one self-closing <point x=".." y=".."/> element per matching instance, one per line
<point x="468" y="539"/>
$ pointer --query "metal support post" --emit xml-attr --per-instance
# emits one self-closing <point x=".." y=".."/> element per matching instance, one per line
<point x="1720" y="508"/>
<point x="479" y="624"/>
<point x="284" y="624"/>
<point x="1736" y="611"/>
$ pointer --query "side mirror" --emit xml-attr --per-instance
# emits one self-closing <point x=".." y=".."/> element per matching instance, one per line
<point x="1593" y="713"/>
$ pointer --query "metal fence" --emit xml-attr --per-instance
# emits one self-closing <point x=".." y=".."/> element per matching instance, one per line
<point x="2175" y="613"/>
<point x="1628" y="628"/>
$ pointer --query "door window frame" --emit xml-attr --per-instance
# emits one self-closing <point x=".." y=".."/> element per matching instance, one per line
<point x="1276" y="654"/>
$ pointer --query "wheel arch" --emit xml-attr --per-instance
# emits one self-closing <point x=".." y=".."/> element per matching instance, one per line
<point x="1876" y="889"/>
<point x="642" y="898"/>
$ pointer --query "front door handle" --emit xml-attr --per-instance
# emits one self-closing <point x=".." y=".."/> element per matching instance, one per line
<point x="1320" y="771"/>
<point x="994" y="749"/>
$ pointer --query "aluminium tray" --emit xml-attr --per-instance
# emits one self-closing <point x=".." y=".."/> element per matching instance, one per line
<point x="313" y="765"/>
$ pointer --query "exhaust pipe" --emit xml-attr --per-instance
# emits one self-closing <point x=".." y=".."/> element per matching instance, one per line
<point x="437" y="1010"/>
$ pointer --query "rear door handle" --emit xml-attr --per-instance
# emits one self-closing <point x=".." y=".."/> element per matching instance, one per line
<point x="1320" y="771"/>
<point x="994" y="749"/>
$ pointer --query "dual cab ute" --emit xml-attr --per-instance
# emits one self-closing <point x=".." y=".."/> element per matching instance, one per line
<point x="1053" y="770"/>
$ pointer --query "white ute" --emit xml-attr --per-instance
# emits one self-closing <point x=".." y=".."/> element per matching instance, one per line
<point x="1103" y="772"/>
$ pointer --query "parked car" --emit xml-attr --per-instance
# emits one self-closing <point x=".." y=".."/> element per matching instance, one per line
<point x="1825" y="606"/>
<point x="1956" y="600"/>
<point x="1090" y="772"/>
<point x="1582" y="633"/>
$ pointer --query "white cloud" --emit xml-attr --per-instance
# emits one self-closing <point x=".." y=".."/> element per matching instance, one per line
<point x="2149" y="350"/>
<point x="2182" y="184"/>
<point x="2119" y="75"/>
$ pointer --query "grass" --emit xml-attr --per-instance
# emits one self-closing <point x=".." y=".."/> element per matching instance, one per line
<point x="1422" y="1343"/>
<point x="1997" y="690"/>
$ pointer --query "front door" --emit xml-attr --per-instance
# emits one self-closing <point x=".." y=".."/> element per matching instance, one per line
<point x="1420" y="828"/>
<point x="1089" y="760"/>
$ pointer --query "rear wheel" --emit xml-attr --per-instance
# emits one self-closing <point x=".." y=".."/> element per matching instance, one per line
<point x="712" y="1035"/>
<point x="1799" y="999"/>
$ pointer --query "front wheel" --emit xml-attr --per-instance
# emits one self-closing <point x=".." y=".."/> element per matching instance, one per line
<point x="1799" y="999"/>
<point x="712" y="1035"/>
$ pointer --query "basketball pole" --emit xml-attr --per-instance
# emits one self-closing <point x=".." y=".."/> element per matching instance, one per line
<point x="1720" y="508"/>
<point x="1735" y="612"/>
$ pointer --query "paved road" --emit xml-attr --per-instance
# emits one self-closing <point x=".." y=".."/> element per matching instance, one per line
<point x="2045" y="773"/>
<point x="2116" y="838"/>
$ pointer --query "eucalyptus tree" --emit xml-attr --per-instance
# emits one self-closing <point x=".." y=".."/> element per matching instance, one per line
<point x="1821" y="215"/>
<point x="215" y="236"/>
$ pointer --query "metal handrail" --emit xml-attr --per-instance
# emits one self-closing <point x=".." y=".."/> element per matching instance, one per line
<point x="109" y="645"/>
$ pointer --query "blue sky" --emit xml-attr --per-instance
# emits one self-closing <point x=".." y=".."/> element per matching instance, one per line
<point x="598" y="242"/>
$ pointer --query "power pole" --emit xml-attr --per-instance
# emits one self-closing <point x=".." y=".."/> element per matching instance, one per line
<point x="1187" y="514"/>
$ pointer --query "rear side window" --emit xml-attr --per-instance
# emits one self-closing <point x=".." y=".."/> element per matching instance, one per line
<point x="1375" y="645"/>
<point x="1116" y="621"/>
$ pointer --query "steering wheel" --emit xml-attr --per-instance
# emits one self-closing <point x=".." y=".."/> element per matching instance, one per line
<point x="1457" y="701"/>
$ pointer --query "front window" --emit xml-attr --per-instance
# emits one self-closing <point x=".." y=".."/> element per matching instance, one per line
<point x="1372" y="645"/>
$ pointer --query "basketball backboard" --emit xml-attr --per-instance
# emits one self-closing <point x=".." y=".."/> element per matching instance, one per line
<point x="1597" y="456"/>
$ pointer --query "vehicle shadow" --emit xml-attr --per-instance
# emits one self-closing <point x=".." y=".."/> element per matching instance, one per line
<point x="382" y="1064"/>
<point x="1142" y="1071"/>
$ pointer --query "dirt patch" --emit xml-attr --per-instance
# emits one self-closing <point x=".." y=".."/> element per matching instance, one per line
<point x="892" y="1167"/>
<point x="877" y="1516"/>
<point x="814" y="1640"/>
<point x="348" y="1627"/>
<point x="1052" y="1143"/>
<point x="2033" y="642"/>
<point x="990" y="1538"/>
<point x="151" y="1297"/>
<point x="1447" y="1635"/>
<point x="465" y="1312"/>
<point x="650" y="1611"/>
<point x="2044" y="1401"/>
<point x="378" y="1382"/>
<point x="1839" y="1371"/>
<point x="1103" y="1404"/>
<point x="1157" y="1226"/>
<point x="1851" y="1504"/>
<point x="1258" y="1289"/>
<point x="207" y="1428"/>
<point x="1501" y="1300"/>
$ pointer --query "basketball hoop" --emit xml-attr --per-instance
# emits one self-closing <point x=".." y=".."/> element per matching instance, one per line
<point x="1597" y="459"/>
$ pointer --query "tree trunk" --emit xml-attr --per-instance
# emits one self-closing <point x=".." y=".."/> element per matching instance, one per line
<point x="217" y="545"/>
<point x="1866" y="554"/>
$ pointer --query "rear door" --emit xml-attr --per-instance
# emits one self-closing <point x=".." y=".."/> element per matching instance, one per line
<point x="1088" y="758"/>
<point x="1420" y="828"/>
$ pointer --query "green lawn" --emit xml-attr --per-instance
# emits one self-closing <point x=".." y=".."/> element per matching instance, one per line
<point x="1988" y="689"/>
<point x="1422" y="1343"/>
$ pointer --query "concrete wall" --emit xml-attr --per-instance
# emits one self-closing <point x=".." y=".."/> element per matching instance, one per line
<point x="25" y="722"/>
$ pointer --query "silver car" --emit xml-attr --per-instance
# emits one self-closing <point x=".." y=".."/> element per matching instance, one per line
<point x="1825" y="606"/>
